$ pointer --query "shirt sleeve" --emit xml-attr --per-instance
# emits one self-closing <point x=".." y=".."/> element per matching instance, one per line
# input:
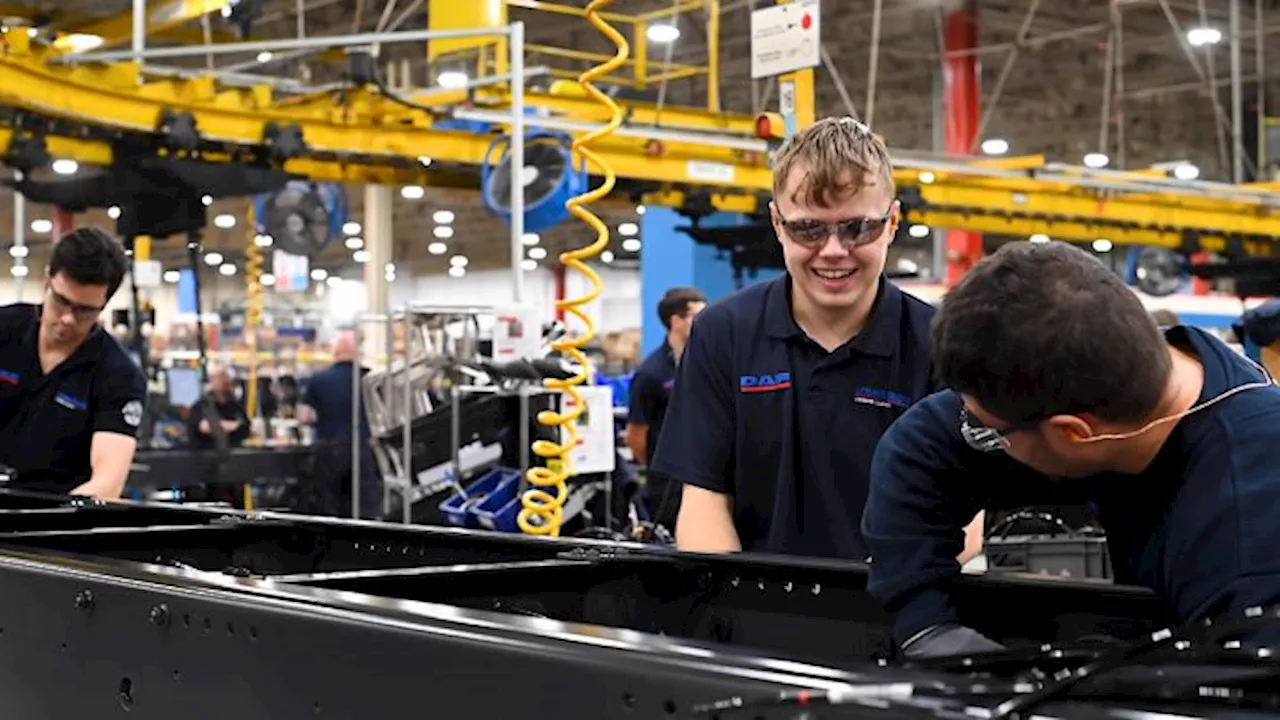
<point x="120" y="400"/>
<point x="921" y="497"/>
<point x="643" y="405"/>
<point x="696" y="445"/>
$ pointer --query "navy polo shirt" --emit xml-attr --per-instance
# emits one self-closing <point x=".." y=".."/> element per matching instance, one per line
<point x="47" y="422"/>
<point x="329" y="394"/>
<point x="767" y="416"/>
<point x="650" y="392"/>
<point x="1197" y="526"/>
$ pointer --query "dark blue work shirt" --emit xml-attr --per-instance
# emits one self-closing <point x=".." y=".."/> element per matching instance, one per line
<point x="329" y="394"/>
<point x="765" y="415"/>
<point x="650" y="392"/>
<point x="1197" y="526"/>
<point x="47" y="421"/>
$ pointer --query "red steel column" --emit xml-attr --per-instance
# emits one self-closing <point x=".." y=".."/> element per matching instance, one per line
<point x="63" y="222"/>
<point x="962" y="111"/>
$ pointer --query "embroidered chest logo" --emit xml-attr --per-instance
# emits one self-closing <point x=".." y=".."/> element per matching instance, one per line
<point x="768" y="382"/>
<point x="70" y="402"/>
<point x="881" y="398"/>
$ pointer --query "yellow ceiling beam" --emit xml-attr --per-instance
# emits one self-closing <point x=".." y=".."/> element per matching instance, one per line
<point x="162" y="16"/>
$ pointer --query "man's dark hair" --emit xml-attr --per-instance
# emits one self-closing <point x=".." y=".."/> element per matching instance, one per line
<point x="1040" y="329"/>
<point x="90" y="256"/>
<point x="676" y="301"/>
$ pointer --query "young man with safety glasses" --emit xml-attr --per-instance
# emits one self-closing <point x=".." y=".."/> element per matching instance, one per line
<point x="1062" y="389"/>
<point x="785" y="387"/>
<point x="71" y="398"/>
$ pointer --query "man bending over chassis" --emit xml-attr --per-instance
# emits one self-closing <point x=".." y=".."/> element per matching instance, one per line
<point x="1060" y="381"/>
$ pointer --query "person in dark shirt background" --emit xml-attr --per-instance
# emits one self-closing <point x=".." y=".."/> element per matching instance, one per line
<point x="231" y="414"/>
<point x="651" y="391"/>
<point x="1062" y="388"/>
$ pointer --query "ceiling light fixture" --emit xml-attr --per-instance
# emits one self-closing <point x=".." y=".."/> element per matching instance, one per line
<point x="354" y="243"/>
<point x="458" y="261"/>
<point x="530" y="239"/>
<point x="444" y="232"/>
<point x="437" y="248"/>
<point x="452" y="80"/>
<point x="606" y="256"/>
<point x="319" y="274"/>
<point x="227" y="269"/>
<point x="442" y="217"/>
<point x="663" y="33"/>
<point x="1102" y="245"/>
<point x="1096" y="160"/>
<point x="995" y="146"/>
<point x="213" y="259"/>
<point x="113" y="212"/>
<point x="224" y="221"/>
<point x="537" y="253"/>
<point x="66" y="167"/>
<point x="631" y="245"/>
<point x="351" y="227"/>
<point x="528" y="265"/>
<point x="412" y="192"/>
<point x="628" y="229"/>
<point x="456" y="271"/>
<point x="42" y="226"/>
<point x="360" y="256"/>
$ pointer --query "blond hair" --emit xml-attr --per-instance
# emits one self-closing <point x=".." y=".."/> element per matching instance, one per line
<point x="841" y="156"/>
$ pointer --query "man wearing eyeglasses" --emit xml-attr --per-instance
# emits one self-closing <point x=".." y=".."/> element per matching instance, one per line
<point x="1062" y="390"/>
<point x="785" y="387"/>
<point x="71" y="398"/>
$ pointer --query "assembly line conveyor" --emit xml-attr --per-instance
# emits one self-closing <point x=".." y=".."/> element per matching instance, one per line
<point x="165" y="610"/>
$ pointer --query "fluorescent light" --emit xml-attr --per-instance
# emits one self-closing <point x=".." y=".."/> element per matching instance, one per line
<point x="360" y="256"/>
<point x="172" y="276"/>
<point x="452" y="79"/>
<point x="319" y="274"/>
<point x="42" y="226"/>
<point x="355" y="243"/>
<point x="213" y="259"/>
<point x="606" y="256"/>
<point x="263" y="241"/>
<point x="227" y="269"/>
<point x="424" y="161"/>
<point x="265" y="56"/>
<point x="437" y="248"/>
<point x="918" y="231"/>
<point x="66" y="167"/>
<point x="351" y="227"/>
<point x="640" y="209"/>
<point x="1201" y="36"/>
<point x="19" y="270"/>
<point x="442" y="217"/>
<point x="1096" y="160"/>
<point x="412" y="192"/>
<point x="631" y="245"/>
<point x="663" y="33"/>
<point x="224" y="221"/>
<point x="537" y="253"/>
<point x="995" y="146"/>
<point x="528" y="265"/>
<point x="926" y="177"/>
<point x="390" y="267"/>
<point x="206" y="200"/>
<point x="530" y="239"/>
<point x="19" y="251"/>
<point x="628" y="229"/>
<point x="1102" y="245"/>
<point x="1186" y="171"/>
<point x="79" y="42"/>
<point x="113" y="212"/>
<point x="458" y="261"/>
<point x="333" y="281"/>
<point x="267" y="279"/>
<point x="456" y="271"/>
<point x="1039" y="238"/>
<point x="444" y="232"/>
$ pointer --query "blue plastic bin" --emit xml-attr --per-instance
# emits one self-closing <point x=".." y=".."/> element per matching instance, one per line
<point x="458" y="509"/>
<point x="499" y="509"/>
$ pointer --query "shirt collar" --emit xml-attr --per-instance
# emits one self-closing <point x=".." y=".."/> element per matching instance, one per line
<point x="879" y="338"/>
<point x="89" y="349"/>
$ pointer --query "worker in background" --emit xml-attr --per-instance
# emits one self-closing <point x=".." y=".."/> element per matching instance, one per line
<point x="71" y="398"/>
<point x="1165" y="318"/>
<point x="785" y="387"/>
<point x="327" y="405"/>
<point x="651" y="391"/>
<point x="1062" y="389"/>
<point x="230" y="414"/>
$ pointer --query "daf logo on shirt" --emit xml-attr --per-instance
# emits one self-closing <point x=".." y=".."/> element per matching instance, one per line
<point x="881" y="398"/>
<point x="768" y="382"/>
<point x="70" y="402"/>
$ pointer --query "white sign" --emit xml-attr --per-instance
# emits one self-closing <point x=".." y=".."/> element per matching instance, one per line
<point x="147" y="273"/>
<point x="517" y="334"/>
<point x="709" y="172"/>
<point x="595" y="451"/>
<point x="292" y="272"/>
<point x="785" y="38"/>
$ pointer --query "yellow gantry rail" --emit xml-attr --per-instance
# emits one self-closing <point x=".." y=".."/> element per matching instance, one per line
<point x="358" y="136"/>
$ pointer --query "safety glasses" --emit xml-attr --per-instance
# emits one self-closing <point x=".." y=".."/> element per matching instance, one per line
<point x="851" y="233"/>
<point x="988" y="439"/>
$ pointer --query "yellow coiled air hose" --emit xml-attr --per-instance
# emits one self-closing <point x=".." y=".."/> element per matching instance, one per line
<point x="542" y="511"/>
<point x="254" y="297"/>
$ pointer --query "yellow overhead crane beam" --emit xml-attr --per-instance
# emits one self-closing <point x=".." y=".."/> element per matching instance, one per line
<point x="361" y="137"/>
<point x="162" y="17"/>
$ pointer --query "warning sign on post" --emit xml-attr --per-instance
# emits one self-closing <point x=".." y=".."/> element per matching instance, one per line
<point x="785" y="38"/>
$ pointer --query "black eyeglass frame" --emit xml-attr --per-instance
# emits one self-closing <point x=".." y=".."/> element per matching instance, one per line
<point x="852" y="233"/>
